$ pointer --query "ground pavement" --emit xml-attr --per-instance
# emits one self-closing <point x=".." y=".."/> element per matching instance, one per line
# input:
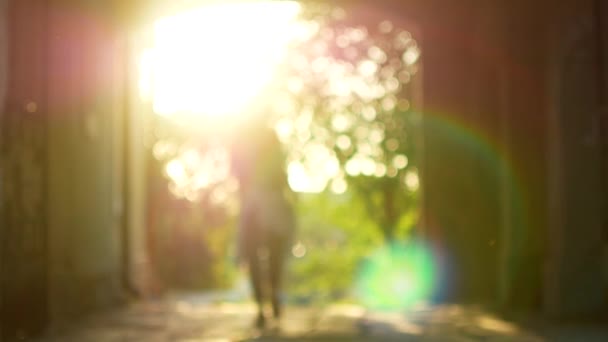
<point x="192" y="318"/>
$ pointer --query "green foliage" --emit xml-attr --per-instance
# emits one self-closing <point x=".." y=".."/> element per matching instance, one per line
<point x="344" y="100"/>
<point x="338" y="234"/>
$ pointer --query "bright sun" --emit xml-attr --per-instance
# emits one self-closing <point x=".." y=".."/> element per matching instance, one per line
<point x="216" y="59"/>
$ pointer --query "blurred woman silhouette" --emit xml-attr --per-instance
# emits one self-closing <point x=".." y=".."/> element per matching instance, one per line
<point x="266" y="223"/>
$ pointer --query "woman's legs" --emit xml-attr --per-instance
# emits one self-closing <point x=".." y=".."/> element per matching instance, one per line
<point x="266" y="273"/>
<point x="276" y="258"/>
<point x="251" y="243"/>
<point x="255" y="274"/>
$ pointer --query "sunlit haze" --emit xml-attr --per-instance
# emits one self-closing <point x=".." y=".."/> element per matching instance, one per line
<point x="226" y="60"/>
<point x="214" y="60"/>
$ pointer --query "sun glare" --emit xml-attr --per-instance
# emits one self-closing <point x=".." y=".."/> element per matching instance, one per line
<point x="216" y="59"/>
<point x="331" y="89"/>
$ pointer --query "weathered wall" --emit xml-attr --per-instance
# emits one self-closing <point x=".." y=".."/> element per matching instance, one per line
<point x="463" y="90"/>
<point x="526" y="127"/>
<point x="3" y="52"/>
<point x="65" y="240"/>
<point x="519" y="224"/>
<point x="23" y="159"/>
<point x="86" y="102"/>
<point x="3" y="89"/>
<point x="575" y="283"/>
<point x="67" y="155"/>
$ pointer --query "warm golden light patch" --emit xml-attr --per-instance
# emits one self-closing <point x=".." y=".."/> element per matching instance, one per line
<point x="216" y="59"/>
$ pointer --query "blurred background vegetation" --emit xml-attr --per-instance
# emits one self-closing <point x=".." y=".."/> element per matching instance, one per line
<point x="342" y="103"/>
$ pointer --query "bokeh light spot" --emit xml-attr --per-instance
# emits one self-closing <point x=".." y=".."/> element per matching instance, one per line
<point x="31" y="107"/>
<point x="411" y="180"/>
<point x="299" y="250"/>
<point x="400" y="161"/>
<point x="339" y="185"/>
<point x="385" y="26"/>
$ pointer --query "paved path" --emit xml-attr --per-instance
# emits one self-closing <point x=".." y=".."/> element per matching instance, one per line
<point x="197" y="318"/>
